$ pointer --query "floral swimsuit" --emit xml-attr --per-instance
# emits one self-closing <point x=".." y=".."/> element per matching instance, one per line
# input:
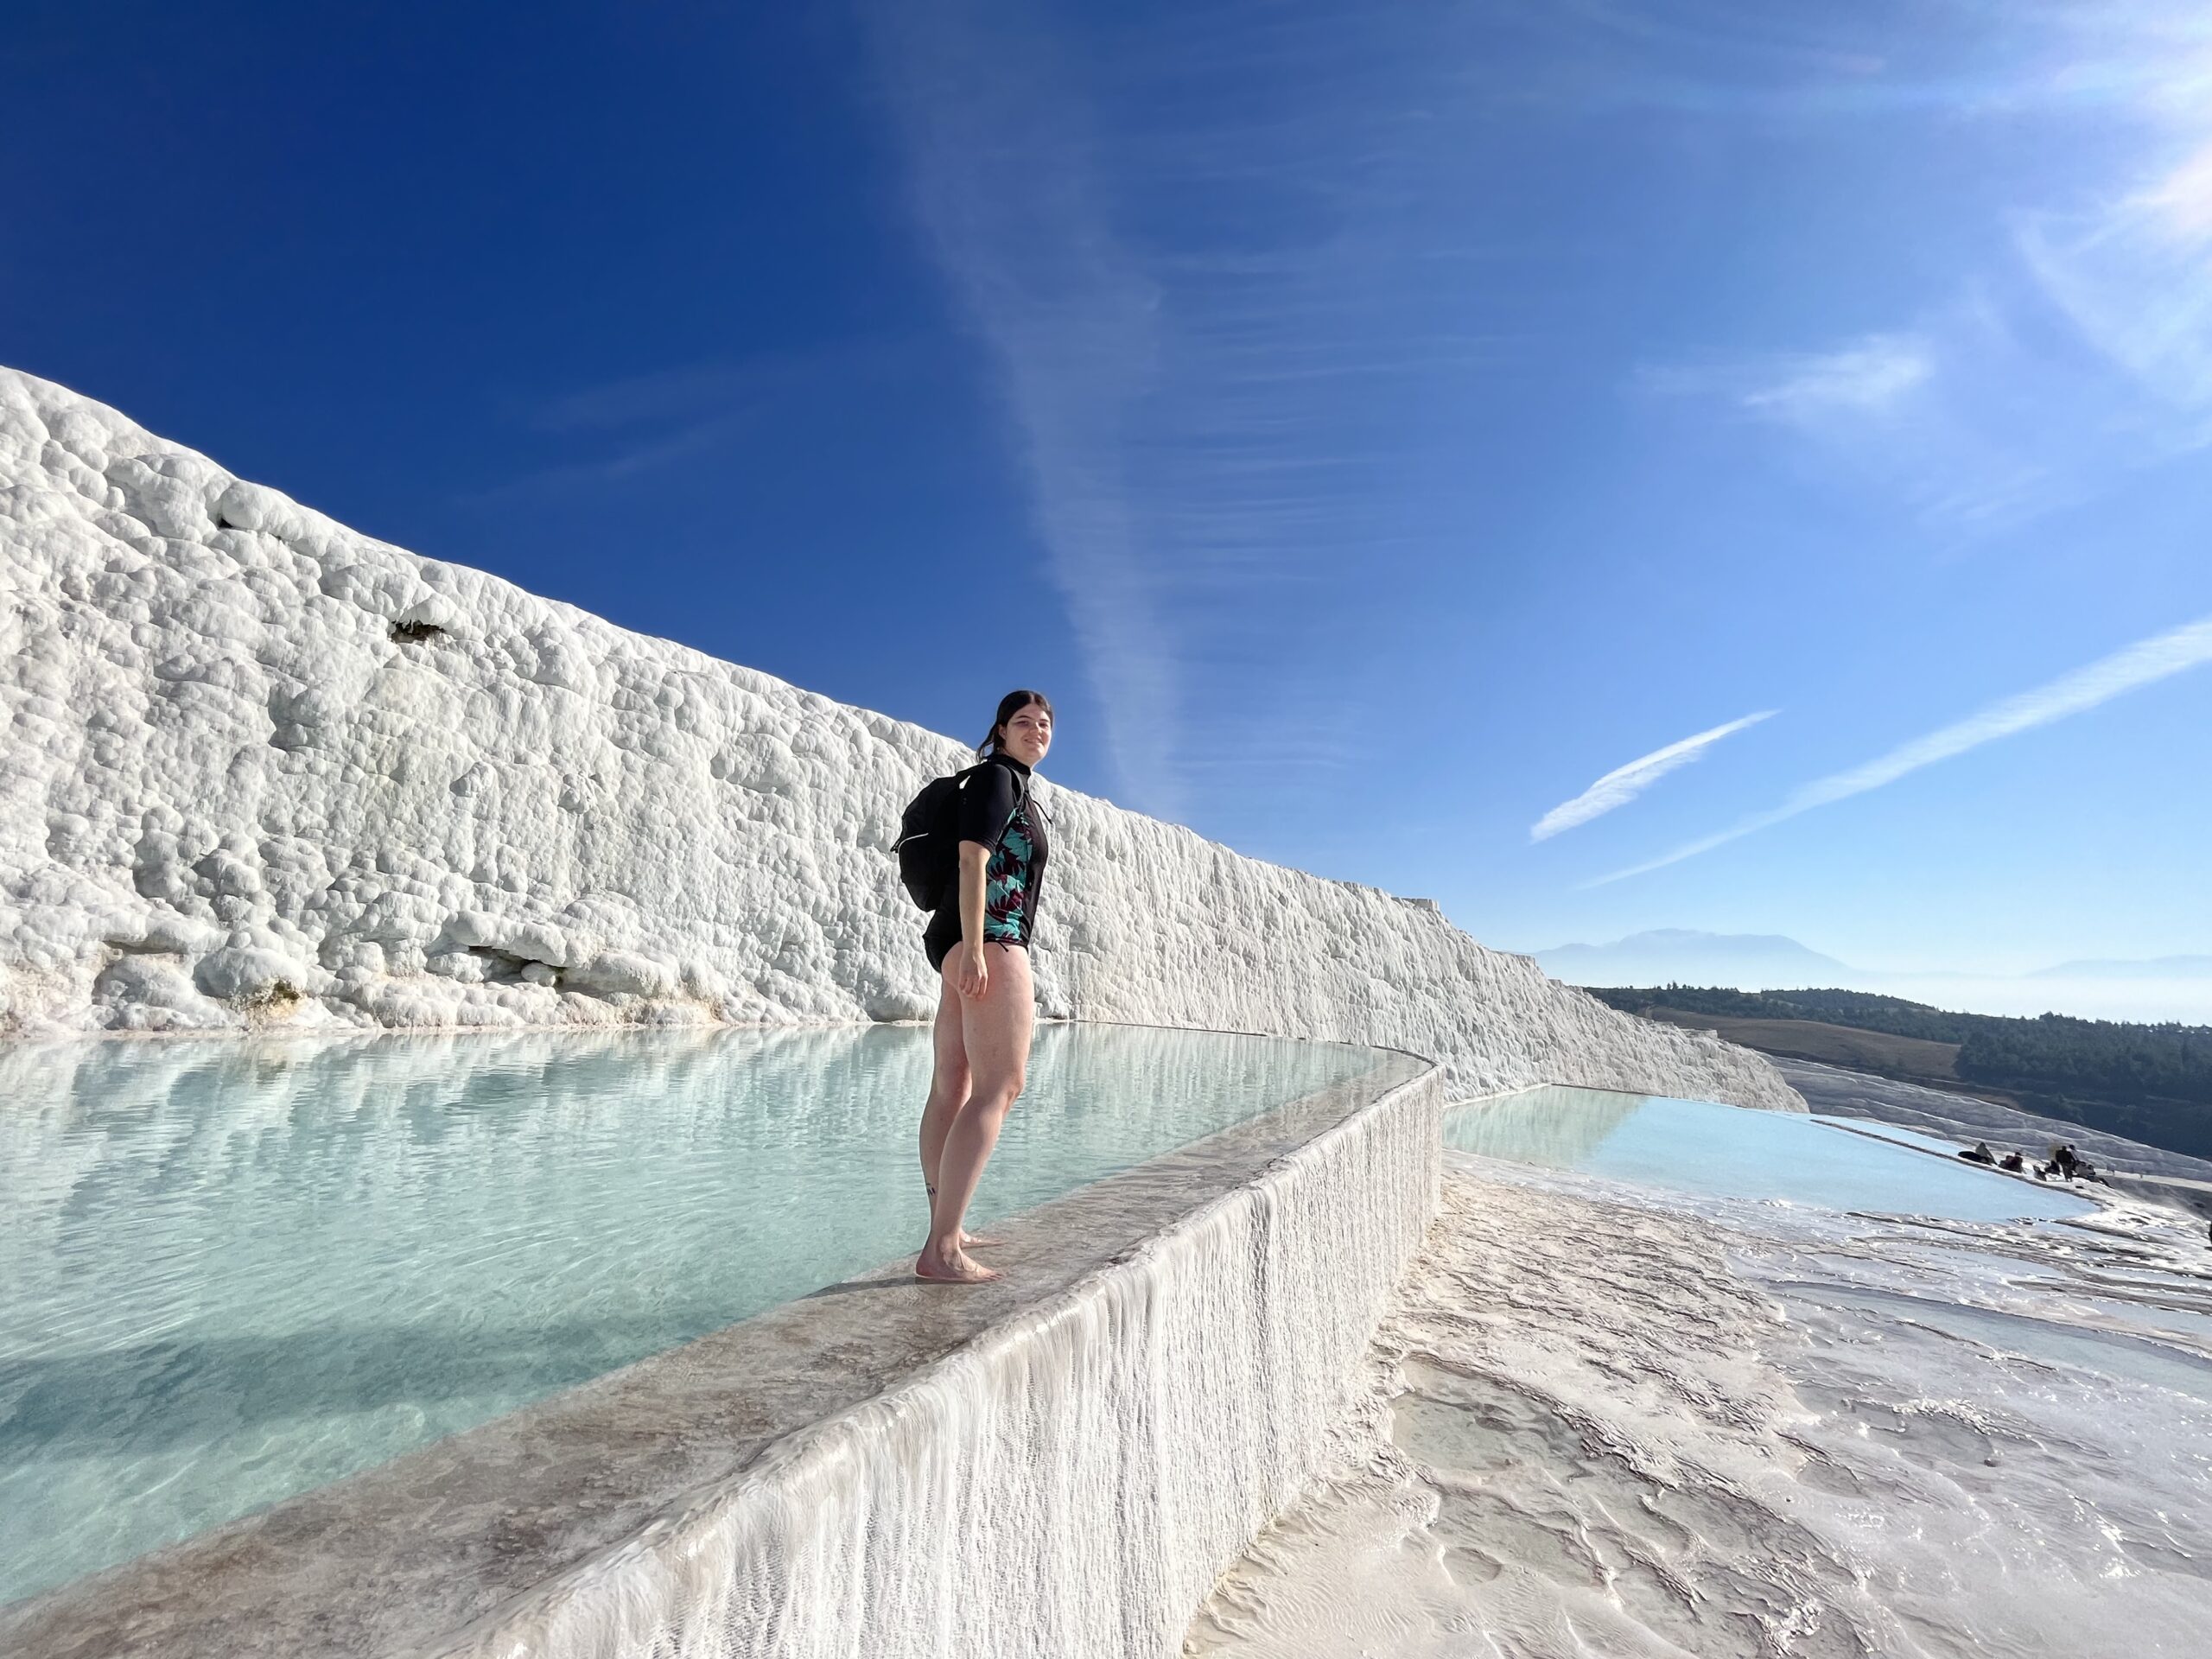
<point x="997" y="810"/>
<point x="1006" y="882"/>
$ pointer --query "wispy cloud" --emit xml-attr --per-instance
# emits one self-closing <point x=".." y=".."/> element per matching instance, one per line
<point x="630" y="456"/>
<point x="2142" y="664"/>
<point x="1624" y="783"/>
<point x="622" y="428"/>
<point x="1717" y="58"/>
<point x="1869" y="377"/>
<point x="1008" y="187"/>
<point x="1972" y="411"/>
<point x="627" y="427"/>
<point x="712" y="389"/>
<point x="657" y="398"/>
<point x="2134" y="275"/>
<point x="1220" y="283"/>
<point x="1906" y="415"/>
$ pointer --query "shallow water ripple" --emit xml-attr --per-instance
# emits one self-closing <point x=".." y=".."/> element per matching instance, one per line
<point x="232" y="1271"/>
<point x="1606" y="1421"/>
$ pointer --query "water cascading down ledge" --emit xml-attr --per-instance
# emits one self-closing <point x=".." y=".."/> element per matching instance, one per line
<point x="1058" y="1465"/>
<point x="1071" y="1481"/>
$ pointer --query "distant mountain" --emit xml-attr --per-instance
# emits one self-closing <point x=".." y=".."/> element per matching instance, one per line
<point x="1746" y="960"/>
<point x="2148" y="968"/>
<point x="2149" y="991"/>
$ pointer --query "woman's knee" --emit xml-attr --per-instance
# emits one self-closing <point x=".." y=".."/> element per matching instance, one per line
<point x="1001" y="1089"/>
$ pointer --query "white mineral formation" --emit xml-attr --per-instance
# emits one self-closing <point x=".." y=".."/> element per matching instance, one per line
<point x="1734" y="1429"/>
<point x="258" y="769"/>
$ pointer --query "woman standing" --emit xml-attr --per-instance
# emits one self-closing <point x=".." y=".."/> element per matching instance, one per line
<point x="978" y="943"/>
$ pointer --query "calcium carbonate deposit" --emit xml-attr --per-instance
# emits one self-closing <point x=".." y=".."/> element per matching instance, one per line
<point x="1072" y="1484"/>
<point x="1611" y="1419"/>
<point x="259" y="769"/>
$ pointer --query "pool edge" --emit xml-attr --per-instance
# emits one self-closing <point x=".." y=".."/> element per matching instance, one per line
<point x="525" y="1520"/>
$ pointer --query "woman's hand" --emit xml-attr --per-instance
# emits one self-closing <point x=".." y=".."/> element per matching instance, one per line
<point x="975" y="971"/>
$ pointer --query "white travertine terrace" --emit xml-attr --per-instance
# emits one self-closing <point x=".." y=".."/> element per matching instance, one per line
<point x="1071" y="1482"/>
<point x="258" y="769"/>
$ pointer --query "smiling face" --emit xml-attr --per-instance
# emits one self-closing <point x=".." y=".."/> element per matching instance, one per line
<point x="1028" y="734"/>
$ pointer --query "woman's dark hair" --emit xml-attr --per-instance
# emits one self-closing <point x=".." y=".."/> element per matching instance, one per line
<point x="1010" y="705"/>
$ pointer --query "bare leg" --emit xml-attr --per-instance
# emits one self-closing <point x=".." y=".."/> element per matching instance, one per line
<point x="948" y="1086"/>
<point x="947" y="1080"/>
<point x="997" y="1026"/>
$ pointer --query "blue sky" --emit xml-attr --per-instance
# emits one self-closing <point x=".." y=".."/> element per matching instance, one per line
<point x="1375" y="424"/>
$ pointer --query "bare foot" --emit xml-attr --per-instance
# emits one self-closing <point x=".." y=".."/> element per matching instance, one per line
<point x="956" y="1268"/>
<point x="968" y="1240"/>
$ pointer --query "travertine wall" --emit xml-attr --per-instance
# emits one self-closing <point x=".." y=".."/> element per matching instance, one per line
<point x="1073" y="1481"/>
<point x="260" y="768"/>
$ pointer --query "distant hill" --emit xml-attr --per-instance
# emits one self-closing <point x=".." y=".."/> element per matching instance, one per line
<point x="2150" y="989"/>
<point x="2149" y="1083"/>
<point x="2148" y="968"/>
<point x="1748" y="960"/>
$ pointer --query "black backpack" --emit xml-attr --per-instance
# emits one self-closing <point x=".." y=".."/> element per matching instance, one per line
<point x="929" y="838"/>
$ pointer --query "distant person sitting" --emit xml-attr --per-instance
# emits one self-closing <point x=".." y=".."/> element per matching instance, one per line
<point x="1981" y="1154"/>
<point x="2014" y="1162"/>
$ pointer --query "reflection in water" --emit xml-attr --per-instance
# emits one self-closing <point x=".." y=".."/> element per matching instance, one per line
<point x="1695" y="1146"/>
<point x="1558" y="1126"/>
<point x="231" y="1271"/>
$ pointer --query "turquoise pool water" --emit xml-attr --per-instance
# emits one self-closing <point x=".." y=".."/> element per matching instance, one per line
<point x="232" y="1271"/>
<point x="1733" y="1152"/>
<point x="1905" y="1137"/>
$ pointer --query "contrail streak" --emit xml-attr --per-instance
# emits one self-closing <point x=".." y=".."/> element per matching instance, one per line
<point x="1624" y="783"/>
<point x="2142" y="664"/>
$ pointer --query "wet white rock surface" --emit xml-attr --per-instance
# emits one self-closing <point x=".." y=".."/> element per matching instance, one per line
<point x="259" y="769"/>
<point x="1604" y="1421"/>
<point x="1966" y="1119"/>
<point x="1057" y="1463"/>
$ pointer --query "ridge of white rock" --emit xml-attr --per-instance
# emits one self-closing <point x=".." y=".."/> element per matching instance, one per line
<point x="260" y="768"/>
<point x="1072" y="1482"/>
